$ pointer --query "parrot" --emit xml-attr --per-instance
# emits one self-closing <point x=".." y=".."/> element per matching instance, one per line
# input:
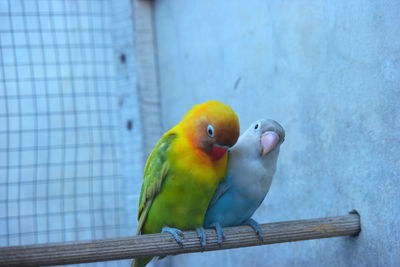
<point x="251" y="167"/>
<point x="184" y="170"/>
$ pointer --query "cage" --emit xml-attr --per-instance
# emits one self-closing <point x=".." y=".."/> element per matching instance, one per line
<point x="70" y="130"/>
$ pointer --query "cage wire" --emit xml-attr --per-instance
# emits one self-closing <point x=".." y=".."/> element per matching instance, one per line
<point x="66" y="71"/>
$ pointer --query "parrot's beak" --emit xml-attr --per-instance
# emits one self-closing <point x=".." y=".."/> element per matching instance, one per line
<point x="269" y="140"/>
<point x="218" y="151"/>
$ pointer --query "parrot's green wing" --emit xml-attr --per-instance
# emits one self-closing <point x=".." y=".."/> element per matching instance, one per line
<point x="155" y="172"/>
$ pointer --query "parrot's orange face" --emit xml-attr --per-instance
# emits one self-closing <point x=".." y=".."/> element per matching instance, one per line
<point x="212" y="127"/>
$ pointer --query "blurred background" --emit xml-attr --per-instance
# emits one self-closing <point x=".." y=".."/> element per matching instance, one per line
<point x="87" y="88"/>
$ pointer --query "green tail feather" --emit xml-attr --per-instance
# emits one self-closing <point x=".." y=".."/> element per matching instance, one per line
<point x="140" y="262"/>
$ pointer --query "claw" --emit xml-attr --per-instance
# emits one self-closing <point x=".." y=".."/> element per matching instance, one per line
<point x="220" y="232"/>
<point x="257" y="228"/>
<point x="176" y="234"/>
<point x="202" y="235"/>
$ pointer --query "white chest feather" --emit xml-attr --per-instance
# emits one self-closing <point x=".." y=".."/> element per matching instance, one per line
<point x="252" y="176"/>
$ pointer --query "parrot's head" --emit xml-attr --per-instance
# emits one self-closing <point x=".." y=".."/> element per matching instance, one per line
<point x="211" y="127"/>
<point x="253" y="159"/>
<point x="265" y="135"/>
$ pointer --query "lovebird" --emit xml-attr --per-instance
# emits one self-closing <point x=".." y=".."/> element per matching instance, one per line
<point x="184" y="170"/>
<point x="251" y="167"/>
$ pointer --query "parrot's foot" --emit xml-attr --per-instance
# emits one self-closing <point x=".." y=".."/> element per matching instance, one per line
<point x="257" y="228"/>
<point x="176" y="234"/>
<point x="202" y="235"/>
<point x="220" y="232"/>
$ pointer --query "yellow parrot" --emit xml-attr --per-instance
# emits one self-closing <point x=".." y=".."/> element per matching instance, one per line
<point x="184" y="170"/>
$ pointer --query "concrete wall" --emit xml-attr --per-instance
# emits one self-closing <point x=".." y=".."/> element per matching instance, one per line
<point x="329" y="71"/>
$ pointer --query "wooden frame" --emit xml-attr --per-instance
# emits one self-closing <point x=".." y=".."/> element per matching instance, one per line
<point x="149" y="93"/>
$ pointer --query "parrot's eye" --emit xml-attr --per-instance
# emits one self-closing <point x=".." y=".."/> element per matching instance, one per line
<point x="256" y="127"/>
<point x="210" y="130"/>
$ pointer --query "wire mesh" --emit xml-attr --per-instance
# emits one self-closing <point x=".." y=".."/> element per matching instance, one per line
<point x="60" y="152"/>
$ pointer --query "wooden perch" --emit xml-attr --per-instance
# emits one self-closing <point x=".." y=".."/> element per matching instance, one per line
<point x="164" y="244"/>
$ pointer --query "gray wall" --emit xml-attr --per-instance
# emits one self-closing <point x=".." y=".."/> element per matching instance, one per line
<point x="329" y="71"/>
